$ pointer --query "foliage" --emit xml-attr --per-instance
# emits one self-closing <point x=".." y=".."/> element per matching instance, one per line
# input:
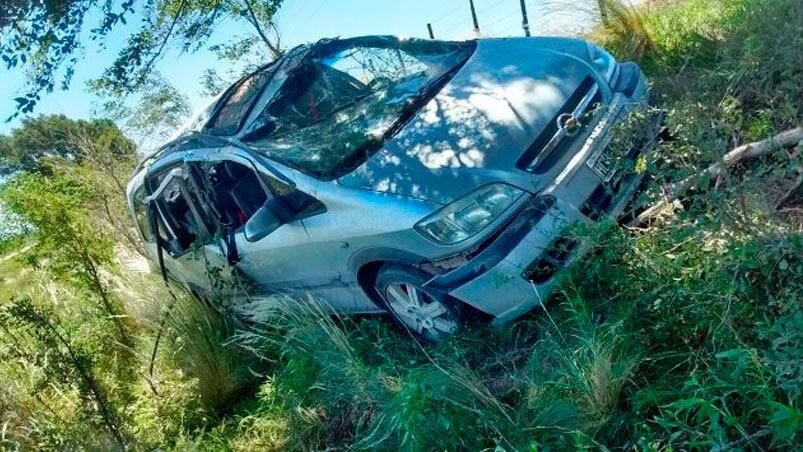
<point x="157" y="113"/>
<point x="682" y="335"/>
<point x="94" y="155"/>
<point x="45" y="37"/>
<point x="60" y="361"/>
<point x="624" y="30"/>
<point x="28" y="147"/>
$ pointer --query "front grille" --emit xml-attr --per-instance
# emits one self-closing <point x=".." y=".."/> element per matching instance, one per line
<point x="615" y="164"/>
<point x="553" y="143"/>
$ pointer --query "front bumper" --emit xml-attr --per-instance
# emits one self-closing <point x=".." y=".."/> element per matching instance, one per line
<point x="517" y="270"/>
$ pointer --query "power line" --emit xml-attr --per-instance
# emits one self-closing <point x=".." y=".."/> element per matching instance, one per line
<point x="489" y="7"/>
<point x="467" y="21"/>
<point x="315" y="11"/>
<point x="293" y="12"/>
<point x="451" y="12"/>
<point x="501" y="19"/>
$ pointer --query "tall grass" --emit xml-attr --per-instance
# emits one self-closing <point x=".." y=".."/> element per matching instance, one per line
<point x="201" y="344"/>
<point x="683" y="336"/>
<point x="625" y="30"/>
<point x="622" y="26"/>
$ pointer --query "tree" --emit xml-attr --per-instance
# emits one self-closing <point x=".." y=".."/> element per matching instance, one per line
<point x="94" y="155"/>
<point x="45" y="36"/>
<point x="27" y="147"/>
<point x="67" y="238"/>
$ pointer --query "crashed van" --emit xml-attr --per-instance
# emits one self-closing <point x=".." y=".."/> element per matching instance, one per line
<point x="432" y="180"/>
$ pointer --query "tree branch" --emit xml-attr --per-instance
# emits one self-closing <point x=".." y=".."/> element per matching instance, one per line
<point x="277" y="52"/>
<point x="746" y="151"/>
<point x="156" y="55"/>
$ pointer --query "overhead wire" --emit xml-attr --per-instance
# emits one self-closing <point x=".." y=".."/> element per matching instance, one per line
<point x="489" y="27"/>
<point x="484" y="27"/>
<point x="451" y="12"/>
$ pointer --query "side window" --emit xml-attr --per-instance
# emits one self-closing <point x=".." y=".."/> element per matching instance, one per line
<point x="141" y="215"/>
<point x="301" y="205"/>
<point x="237" y="193"/>
<point x="232" y="113"/>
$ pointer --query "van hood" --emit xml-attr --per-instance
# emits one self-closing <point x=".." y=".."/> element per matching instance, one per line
<point x="478" y="125"/>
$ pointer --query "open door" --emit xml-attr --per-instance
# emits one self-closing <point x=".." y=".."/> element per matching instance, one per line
<point x="186" y="232"/>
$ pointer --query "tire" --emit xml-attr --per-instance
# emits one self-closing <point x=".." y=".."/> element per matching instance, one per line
<point x="427" y="314"/>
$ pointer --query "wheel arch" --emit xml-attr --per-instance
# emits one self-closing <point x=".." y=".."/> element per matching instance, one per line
<point x="366" y="263"/>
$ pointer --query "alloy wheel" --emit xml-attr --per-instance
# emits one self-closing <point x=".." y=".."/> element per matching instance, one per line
<point x="419" y="311"/>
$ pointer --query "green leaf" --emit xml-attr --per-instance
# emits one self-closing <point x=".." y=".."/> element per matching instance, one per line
<point x="734" y="353"/>
<point x="685" y="404"/>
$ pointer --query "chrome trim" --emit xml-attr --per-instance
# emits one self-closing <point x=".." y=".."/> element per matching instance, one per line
<point x="568" y="126"/>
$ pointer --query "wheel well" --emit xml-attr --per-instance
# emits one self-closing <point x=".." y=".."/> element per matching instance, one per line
<point x="366" y="277"/>
<point x="368" y="273"/>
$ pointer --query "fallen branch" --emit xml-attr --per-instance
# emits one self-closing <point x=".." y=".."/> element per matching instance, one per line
<point x="743" y="152"/>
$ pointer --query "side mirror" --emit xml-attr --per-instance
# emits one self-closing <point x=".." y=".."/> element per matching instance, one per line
<point x="263" y="222"/>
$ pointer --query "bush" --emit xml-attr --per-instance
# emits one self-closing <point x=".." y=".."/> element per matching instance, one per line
<point x="683" y="335"/>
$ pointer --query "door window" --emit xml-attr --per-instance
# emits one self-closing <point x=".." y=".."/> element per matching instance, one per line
<point x="237" y="191"/>
<point x="182" y="224"/>
<point x="180" y="221"/>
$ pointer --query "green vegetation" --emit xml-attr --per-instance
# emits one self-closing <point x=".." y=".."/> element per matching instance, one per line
<point x="15" y="277"/>
<point x="47" y="39"/>
<point x="686" y="333"/>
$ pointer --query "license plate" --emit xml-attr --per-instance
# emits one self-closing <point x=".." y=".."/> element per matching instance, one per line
<point x="607" y="163"/>
<point x="625" y="141"/>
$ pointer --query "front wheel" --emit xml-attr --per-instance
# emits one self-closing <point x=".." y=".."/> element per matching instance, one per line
<point x="425" y="313"/>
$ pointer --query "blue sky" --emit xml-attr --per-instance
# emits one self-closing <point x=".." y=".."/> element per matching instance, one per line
<point x="302" y="21"/>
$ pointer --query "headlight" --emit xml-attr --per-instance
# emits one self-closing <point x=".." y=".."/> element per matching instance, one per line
<point x="602" y="61"/>
<point x="469" y="215"/>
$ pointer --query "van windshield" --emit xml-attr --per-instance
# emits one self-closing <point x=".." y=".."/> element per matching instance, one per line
<point x="337" y="106"/>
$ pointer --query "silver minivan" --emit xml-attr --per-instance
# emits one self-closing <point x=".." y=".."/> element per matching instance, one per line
<point x="434" y="180"/>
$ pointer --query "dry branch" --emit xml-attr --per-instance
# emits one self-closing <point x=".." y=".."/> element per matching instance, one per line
<point x="741" y="153"/>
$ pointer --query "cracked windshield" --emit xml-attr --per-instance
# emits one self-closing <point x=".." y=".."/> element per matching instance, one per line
<point x="453" y="225"/>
